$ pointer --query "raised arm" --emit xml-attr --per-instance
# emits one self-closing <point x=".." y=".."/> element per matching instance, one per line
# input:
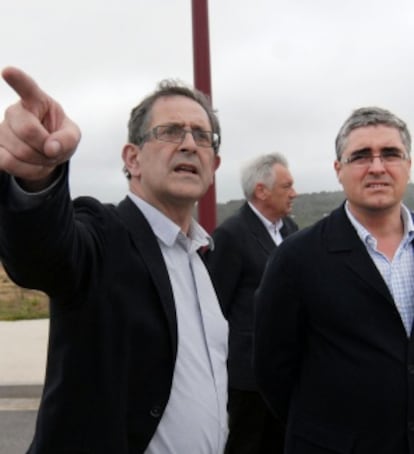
<point x="36" y="136"/>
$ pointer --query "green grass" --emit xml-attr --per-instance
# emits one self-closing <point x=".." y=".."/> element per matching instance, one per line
<point x="24" y="308"/>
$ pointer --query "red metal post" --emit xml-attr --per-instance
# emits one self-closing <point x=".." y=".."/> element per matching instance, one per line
<point x="202" y="81"/>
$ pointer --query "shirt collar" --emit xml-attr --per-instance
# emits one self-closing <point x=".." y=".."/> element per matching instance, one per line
<point x="168" y="231"/>
<point x="366" y="236"/>
<point x="268" y="224"/>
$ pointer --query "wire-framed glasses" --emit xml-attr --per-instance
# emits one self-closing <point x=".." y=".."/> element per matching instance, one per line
<point x="364" y="158"/>
<point x="176" y="133"/>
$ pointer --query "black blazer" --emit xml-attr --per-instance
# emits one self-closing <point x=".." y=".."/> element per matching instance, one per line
<point x="113" y="332"/>
<point x="242" y="246"/>
<point x="331" y="354"/>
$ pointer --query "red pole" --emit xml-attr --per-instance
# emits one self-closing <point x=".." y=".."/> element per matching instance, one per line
<point x="202" y="81"/>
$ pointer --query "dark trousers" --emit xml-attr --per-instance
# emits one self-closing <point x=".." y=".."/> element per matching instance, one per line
<point x="252" y="427"/>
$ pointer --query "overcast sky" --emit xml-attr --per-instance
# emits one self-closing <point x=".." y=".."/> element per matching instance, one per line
<point x="285" y="74"/>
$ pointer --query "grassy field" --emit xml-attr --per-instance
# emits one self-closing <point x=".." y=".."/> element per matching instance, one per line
<point x="17" y="303"/>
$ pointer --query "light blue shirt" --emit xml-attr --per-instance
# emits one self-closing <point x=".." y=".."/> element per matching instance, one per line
<point x="397" y="273"/>
<point x="195" y="419"/>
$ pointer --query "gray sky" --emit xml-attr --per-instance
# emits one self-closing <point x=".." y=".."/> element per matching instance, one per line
<point x="285" y="74"/>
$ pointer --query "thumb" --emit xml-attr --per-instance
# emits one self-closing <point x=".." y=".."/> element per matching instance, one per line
<point x="62" y="143"/>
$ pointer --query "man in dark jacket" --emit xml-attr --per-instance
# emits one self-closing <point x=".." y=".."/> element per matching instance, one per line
<point x="334" y="349"/>
<point x="242" y="245"/>
<point x="138" y="344"/>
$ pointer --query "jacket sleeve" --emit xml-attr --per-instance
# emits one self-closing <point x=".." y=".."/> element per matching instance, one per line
<point x="48" y="246"/>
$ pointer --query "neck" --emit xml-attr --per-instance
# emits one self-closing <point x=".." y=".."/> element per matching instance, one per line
<point x="380" y="223"/>
<point x="267" y="213"/>
<point x="180" y="212"/>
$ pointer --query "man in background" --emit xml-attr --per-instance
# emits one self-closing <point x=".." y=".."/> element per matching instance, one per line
<point x="334" y="349"/>
<point x="242" y="245"/>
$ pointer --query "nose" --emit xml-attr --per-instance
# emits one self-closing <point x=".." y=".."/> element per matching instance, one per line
<point x="376" y="163"/>
<point x="292" y="193"/>
<point x="188" y="142"/>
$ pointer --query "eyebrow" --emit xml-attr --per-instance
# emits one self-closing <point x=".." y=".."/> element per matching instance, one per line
<point x="369" y="150"/>
<point x="181" y="124"/>
<point x="361" y="150"/>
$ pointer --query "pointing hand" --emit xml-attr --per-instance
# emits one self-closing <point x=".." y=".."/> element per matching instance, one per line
<point x="36" y="136"/>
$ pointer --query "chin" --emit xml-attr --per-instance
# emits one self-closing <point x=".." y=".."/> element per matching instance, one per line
<point x="190" y="190"/>
<point x="188" y="196"/>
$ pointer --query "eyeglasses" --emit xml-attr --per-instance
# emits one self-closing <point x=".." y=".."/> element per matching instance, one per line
<point x="364" y="158"/>
<point x="175" y="134"/>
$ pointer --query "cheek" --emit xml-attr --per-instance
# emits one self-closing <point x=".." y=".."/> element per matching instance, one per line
<point x="209" y="172"/>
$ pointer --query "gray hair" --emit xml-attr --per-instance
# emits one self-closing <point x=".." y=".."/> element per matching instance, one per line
<point x="371" y="116"/>
<point x="259" y="170"/>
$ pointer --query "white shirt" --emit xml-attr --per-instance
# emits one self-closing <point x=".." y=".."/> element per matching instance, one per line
<point x="272" y="228"/>
<point x="195" y="419"/>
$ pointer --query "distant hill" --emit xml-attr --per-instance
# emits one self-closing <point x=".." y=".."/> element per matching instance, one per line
<point x="307" y="208"/>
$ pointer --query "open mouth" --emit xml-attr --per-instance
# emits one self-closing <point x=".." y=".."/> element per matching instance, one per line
<point x="186" y="168"/>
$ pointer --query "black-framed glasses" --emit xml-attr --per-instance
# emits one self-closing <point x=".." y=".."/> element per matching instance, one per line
<point x="364" y="158"/>
<point x="176" y="133"/>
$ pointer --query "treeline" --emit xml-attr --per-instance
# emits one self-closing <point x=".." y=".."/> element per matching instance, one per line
<point x="308" y="208"/>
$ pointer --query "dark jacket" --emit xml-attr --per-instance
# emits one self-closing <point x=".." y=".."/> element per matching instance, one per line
<point x="242" y="246"/>
<point x="113" y="332"/>
<point x="331" y="353"/>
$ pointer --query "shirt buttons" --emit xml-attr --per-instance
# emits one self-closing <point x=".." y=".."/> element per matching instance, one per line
<point x="156" y="411"/>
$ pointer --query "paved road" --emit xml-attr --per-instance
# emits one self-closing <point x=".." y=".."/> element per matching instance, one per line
<point x="18" y="409"/>
<point x="22" y="368"/>
<point x="16" y="430"/>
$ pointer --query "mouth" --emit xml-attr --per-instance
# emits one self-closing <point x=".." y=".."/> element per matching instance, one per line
<point x="376" y="185"/>
<point x="186" y="168"/>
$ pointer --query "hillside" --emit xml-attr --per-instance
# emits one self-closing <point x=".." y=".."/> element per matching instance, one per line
<point x="19" y="303"/>
<point x="308" y="208"/>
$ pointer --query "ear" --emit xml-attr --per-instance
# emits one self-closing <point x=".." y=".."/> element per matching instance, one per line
<point x="337" y="167"/>
<point x="217" y="162"/>
<point x="130" y="155"/>
<point x="261" y="191"/>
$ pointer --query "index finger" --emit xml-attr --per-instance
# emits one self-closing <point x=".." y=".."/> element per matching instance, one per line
<point x="33" y="98"/>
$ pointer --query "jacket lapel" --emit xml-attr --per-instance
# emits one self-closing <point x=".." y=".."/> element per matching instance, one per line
<point x="343" y="239"/>
<point x="258" y="230"/>
<point x="147" y="245"/>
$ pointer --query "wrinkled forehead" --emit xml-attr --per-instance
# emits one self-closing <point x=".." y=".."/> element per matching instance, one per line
<point x="179" y="110"/>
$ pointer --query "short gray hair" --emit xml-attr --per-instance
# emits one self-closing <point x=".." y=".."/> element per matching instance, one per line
<point x="259" y="170"/>
<point x="371" y="116"/>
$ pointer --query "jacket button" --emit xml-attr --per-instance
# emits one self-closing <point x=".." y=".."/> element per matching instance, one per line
<point x="155" y="411"/>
